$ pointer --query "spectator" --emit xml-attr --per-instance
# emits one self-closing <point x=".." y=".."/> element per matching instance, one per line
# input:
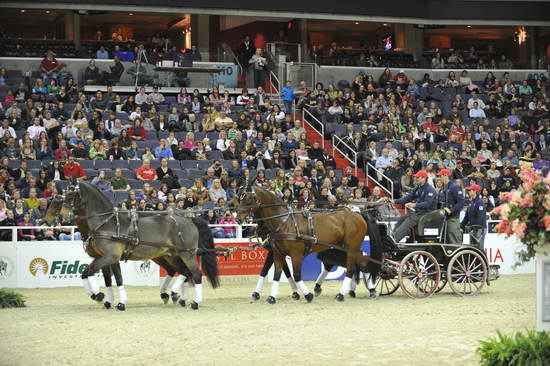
<point x="102" y="53"/>
<point x="216" y="191"/>
<point x="26" y="234"/>
<point x="116" y="70"/>
<point x="73" y="169"/>
<point x="97" y="151"/>
<point x="91" y="73"/>
<point x="229" y="219"/>
<point x="145" y="172"/>
<point x="137" y="132"/>
<point x="119" y="183"/>
<point x="102" y="182"/>
<point x="49" y="66"/>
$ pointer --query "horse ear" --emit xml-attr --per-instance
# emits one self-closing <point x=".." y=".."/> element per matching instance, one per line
<point x="74" y="180"/>
<point x="251" y="183"/>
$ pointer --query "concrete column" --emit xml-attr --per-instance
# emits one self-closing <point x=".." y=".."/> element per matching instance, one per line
<point x="304" y="40"/>
<point x="69" y="26"/>
<point x="200" y="34"/>
<point x="76" y="30"/>
<point x="409" y="39"/>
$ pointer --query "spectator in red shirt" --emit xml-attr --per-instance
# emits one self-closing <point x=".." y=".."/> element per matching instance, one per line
<point x="430" y="125"/>
<point x="145" y="172"/>
<point x="49" y="66"/>
<point x="71" y="168"/>
<point x="62" y="153"/>
<point x="401" y="78"/>
<point x="137" y="132"/>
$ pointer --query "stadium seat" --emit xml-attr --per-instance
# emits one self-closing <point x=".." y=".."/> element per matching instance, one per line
<point x="122" y="164"/>
<point x="103" y="164"/>
<point x="174" y="164"/>
<point x="188" y="164"/>
<point x="204" y="164"/>
<point x="194" y="174"/>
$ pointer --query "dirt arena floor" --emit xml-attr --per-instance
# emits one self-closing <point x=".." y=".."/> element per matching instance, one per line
<point x="64" y="327"/>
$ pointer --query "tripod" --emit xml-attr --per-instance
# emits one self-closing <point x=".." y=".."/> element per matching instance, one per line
<point x="140" y="56"/>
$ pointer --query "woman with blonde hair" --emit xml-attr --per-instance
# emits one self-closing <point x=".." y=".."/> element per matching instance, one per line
<point x="97" y="151"/>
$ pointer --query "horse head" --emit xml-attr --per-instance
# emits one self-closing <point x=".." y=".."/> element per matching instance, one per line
<point x="52" y="214"/>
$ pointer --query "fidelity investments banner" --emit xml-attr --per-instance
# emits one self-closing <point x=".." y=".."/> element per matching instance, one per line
<point x="60" y="264"/>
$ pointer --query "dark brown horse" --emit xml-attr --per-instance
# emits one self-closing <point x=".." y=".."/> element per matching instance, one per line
<point x="331" y="235"/>
<point x="156" y="236"/>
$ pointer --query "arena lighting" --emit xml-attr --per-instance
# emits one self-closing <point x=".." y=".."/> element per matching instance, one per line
<point x="522" y="35"/>
<point x="22" y="10"/>
<point x="385" y="24"/>
<point x="468" y="26"/>
<point x="47" y="12"/>
<point x="356" y="23"/>
<point x="130" y="13"/>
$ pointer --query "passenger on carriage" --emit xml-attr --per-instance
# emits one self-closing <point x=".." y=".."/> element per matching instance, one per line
<point x="476" y="217"/>
<point x="451" y="199"/>
<point x="421" y="200"/>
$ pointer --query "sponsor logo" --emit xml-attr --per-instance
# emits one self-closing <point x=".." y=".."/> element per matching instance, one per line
<point x="6" y="268"/>
<point x="145" y="269"/>
<point x="57" y="268"/>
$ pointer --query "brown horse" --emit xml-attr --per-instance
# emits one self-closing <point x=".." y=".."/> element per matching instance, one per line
<point x="331" y="235"/>
<point x="149" y="237"/>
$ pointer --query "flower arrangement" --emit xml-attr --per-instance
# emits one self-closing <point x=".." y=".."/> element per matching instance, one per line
<point x="526" y="213"/>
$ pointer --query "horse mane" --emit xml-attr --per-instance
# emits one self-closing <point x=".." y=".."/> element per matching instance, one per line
<point x="97" y="195"/>
<point x="269" y="194"/>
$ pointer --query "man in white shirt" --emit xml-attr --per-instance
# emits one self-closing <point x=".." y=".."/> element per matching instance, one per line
<point x="35" y="129"/>
<point x="297" y="130"/>
<point x="141" y="97"/>
<point x="475" y="99"/>
<point x="13" y="107"/>
<point x="69" y="131"/>
<point x="477" y="112"/>
<point x="6" y="128"/>
<point x="384" y="160"/>
<point x="156" y="97"/>
<point x="223" y="122"/>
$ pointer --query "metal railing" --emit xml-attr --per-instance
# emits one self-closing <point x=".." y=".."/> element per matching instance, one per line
<point x="15" y="238"/>
<point x="318" y="123"/>
<point x="273" y="78"/>
<point x="292" y="51"/>
<point x="336" y="142"/>
<point x="379" y="177"/>
<point x="226" y="54"/>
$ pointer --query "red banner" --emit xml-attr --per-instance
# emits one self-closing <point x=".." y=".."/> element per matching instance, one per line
<point x="241" y="262"/>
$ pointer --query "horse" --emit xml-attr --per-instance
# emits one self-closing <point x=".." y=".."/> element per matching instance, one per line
<point x="331" y="235"/>
<point x="145" y="237"/>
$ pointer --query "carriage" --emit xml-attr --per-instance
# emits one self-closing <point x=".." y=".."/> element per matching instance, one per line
<point x="426" y="264"/>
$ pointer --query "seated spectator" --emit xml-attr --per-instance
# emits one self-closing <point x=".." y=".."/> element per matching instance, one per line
<point x="477" y="111"/>
<point x="216" y="191"/>
<point x="223" y="122"/>
<point x="156" y="97"/>
<point x="229" y="219"/>
<point x="72" y="168"/>
<point x="26" y="234"/>
<point x="137" y="132"/>
<point x="119" y="183"/>
<point x="97" y="151"/>
<point x="115" y="152"/>
<point x="102" y="53"/>
<point x="163" y="151"/>
<point x="32" y="201"/>
<point x="49" y="66"/>
<point x="80" y="152"/>
<point x="145" y="172"/>
<point x="63" y="152"/>
<point x="91" y="73"/>
<point x="8" y="221"/>
<point x="102" y="182"/>
<point x="39" y="212"/>
<point x="147" y="154"/>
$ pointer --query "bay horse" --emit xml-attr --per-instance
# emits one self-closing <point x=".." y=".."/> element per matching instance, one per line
<point x="338" y="233"/>
<point x="116" y="234"/>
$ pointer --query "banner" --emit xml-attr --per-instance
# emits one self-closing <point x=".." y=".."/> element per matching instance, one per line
<point x="8" y="263"/>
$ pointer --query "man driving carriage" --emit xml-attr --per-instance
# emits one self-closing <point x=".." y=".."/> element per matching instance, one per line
<point x="420" y="201"/>
<point x="476" y="217"/>
<point x="451" y="200"/>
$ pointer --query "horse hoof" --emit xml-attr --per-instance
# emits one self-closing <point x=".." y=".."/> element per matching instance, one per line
<point x="309" y="297"/>
<point x="295" y="296"/>
<point x="255" y="296"/>
<point x="165" y="297"/>
<point x="181" y="303"/>
<point x="120" y="306"/>
<point x="373" y="293"/>
<point x="352" y="294"/>
<point x="175" y="297"/>
<point x="98" y="297"/>
<point x="339" y="298"/>
<point x="317" y="290"/>
<point x="107" y="305"/>
<point x="271" y="300"/>
<point x="194" y="306"/>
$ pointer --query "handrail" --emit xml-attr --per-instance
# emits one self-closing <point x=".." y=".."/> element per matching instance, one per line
<point x="382" y="175"/>
<point x="322" y="132"/>
<point x="229" y="50"/>
<point x="272" y="77"/>
<point x="14" y="236"/>
<point x="341" y="142"/>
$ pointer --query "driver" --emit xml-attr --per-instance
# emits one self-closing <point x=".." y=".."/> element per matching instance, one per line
<point x="476" y="217"/>
<point x="451" y="200"/>
<point x="420" y="200"/>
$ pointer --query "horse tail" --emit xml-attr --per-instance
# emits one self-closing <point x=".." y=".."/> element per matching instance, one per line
<point x="209" y="262"/>
<point x="375" y="244"/>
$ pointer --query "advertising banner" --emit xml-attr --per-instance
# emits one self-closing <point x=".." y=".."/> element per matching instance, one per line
<point x="8" y="263"/>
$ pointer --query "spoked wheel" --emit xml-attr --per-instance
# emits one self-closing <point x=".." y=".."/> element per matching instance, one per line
<point x="442" y="284"/>
<point x="467" y="273"/>
<point x="419" y="274"/>
<point x="386" y="284"/>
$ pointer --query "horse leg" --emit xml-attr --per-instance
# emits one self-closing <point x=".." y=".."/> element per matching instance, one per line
<point x="324" y="273"/>
<point x="286" y="270"/>
<point x="279" y="260"/>
<point x="261" y="279"/>
<point x="109" y="286"/>
<point x="122" y="296"/>
<point x="171" y="272"/>
<point x="189" y="261"/>
<point x="296" y="257"/>
<point x="351" y="267"/>
<point x="353" y="285"/>
<point x="89" y="274"/>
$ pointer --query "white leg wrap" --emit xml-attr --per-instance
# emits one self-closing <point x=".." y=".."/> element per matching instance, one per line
<point x="86" y="285"/>
<point x="344" y="289"/>
<point x="322" y="276"/>
<point x="370" y="283"/>
<point x="177" y="283"/>
<point x="275" y="289"/>
<point x="302" y="286"/>
<point x="123" y="298"/>
<point x="292" y="284"/>
<point x="353" y="284"/>
<point x="260" y="284"/>
<point x="165" y="284"/>
<point x="198" y="293"/>
<point x="94" y="287"/>
<point x="110" y="295"/>
<point x="185" y="291"/>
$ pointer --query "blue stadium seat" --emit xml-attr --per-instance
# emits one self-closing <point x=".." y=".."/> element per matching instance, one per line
<point x="270" y="174"/>
<point x="34" y="164"/>
<point x="174" y="164"/>
<point x="134" y="164"/>
<point x="121" y="196"/>
<point x="155" y="164"/>
<point x="200" y="135"/>
<point x="188" y="164"/>
<point x="194" y="173"/>
<point x="181" y="174"/>
<point x="128" y="174"/>
<point x="154" y="183"/>
<point x="186" y="183"/>
<point x="135" y="184"/>
<point x="204" y="164"/>
<point x="62" y="184"/>
<point x="122" y="164"/>
<point x="103" y="164"/>
<point x="215" y="155"/>
<point x="86" y="164"/>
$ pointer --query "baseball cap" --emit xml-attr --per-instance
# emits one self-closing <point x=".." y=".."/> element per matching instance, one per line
<point x="474" y="187"/>
<point x="444" y="172"/>
<point x="459" y="161"/>
<point x="421" y="173"/>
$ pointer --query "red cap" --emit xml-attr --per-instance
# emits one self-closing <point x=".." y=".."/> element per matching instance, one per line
<point x="444" y="172"/>
<point x="474" y="187"/>
<point x="421" y="173"/>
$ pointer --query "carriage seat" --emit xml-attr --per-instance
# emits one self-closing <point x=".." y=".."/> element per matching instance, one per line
<point x="430" y="224"/>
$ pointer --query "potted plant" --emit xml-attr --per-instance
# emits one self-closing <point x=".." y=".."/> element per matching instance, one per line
<point x="525" y="213"/>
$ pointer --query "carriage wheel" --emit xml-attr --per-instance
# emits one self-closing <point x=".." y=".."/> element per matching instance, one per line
<point x="442" y="283"/>
<point x="385" y="285"/>
<point x="467" y="273"/>
<point x="419" y="274"/>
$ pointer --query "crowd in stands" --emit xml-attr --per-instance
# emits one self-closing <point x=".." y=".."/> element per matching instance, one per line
<point x="192" y="152"/>
<point x="467" y="59"/>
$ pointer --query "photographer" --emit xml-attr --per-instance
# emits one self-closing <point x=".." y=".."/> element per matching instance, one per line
<point x="260" y="63"/>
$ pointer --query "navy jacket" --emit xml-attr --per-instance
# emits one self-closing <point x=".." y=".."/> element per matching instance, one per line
<point x="476" y="214"/>
<point x="424" y="196"/>
<point x="453" y="198"/>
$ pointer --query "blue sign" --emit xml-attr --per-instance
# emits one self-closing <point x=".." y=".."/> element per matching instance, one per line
<point x="228" y="76"/>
